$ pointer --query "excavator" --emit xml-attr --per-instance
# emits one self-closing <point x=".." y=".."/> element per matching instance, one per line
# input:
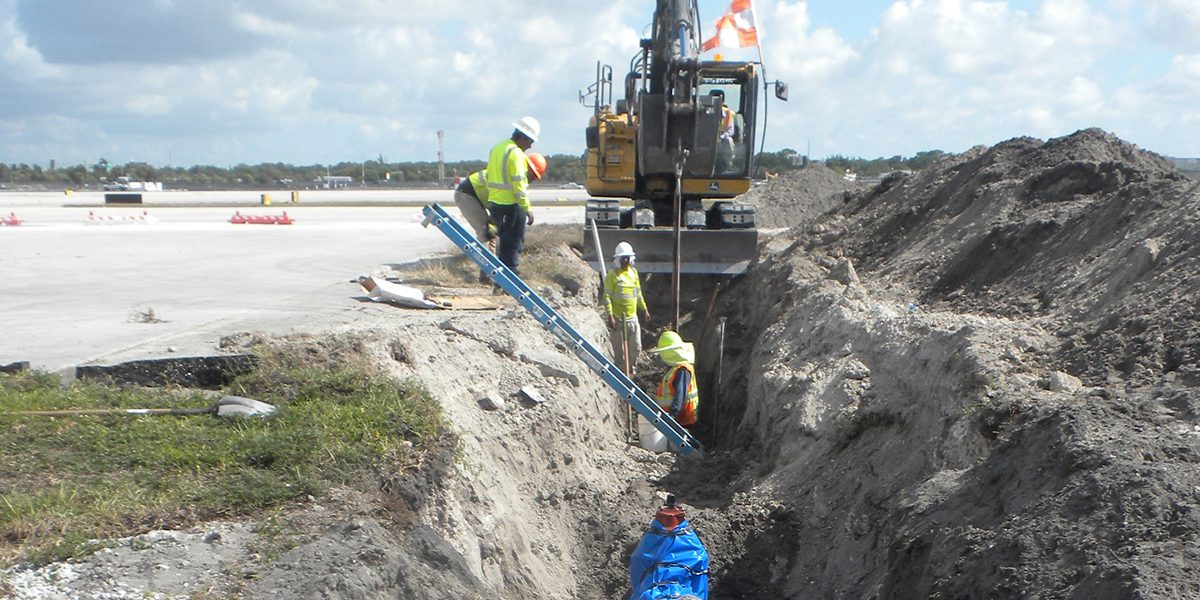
<point x="667" y="147"/>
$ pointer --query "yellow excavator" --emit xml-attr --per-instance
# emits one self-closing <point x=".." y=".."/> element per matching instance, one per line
<point x="680" y="146"/>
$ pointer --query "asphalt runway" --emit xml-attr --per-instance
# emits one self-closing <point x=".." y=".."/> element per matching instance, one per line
<point x="78" y="282"/>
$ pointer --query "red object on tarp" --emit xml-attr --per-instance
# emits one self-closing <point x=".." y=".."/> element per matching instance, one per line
<point x="11" y="219"/>
<point x="670" y="517"/>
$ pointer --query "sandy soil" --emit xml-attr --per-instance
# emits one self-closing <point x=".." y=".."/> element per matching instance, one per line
<point x="978" y="381"/>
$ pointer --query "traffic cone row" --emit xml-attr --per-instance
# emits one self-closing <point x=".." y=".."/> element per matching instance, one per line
<point x="142" y="219"/>
<point x="239" y="219"/>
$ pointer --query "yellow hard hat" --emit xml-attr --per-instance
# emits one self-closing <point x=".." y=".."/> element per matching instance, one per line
<point x="673" y="350"/>
<point x="669" y="340"/>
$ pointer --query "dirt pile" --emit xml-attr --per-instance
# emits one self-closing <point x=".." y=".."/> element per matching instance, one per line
<point x="977" y="381"/>
<point x="798" y="196"/>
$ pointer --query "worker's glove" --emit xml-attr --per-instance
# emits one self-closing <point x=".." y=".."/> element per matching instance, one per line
<point x="529" y="218"/>
<point x="491" y="232"/>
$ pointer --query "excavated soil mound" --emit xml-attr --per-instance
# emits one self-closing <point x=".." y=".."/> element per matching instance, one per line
<point x="798" y="196"/>
<point x="977" y="381"/>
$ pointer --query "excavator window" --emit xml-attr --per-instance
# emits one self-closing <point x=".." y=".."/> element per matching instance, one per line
<point x="732" y="157"/>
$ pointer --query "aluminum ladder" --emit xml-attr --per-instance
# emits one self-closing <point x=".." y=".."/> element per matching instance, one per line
<point x="680" y="438"/>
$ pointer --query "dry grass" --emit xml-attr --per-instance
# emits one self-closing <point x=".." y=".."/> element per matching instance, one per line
<point x="540" y="261"/>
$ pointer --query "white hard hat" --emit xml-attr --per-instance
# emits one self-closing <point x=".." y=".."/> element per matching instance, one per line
<point x="623" y="249"/>
<point x="529" y="126"/>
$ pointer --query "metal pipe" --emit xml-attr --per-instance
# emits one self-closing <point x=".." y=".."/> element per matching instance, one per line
<point x="599" y="255"/>
<point x="675" y="262"/>
<point x="717" y="388"/>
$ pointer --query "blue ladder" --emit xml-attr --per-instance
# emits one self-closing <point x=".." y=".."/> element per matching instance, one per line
<point x="504" y="277"/>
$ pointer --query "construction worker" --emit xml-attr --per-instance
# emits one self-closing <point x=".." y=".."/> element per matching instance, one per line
<point x="725" y="133"/>
<point x="678" y="392"/>
<point x="623" y="299"/>
<point x="471" y="197"/>
<point x="508" y="197"/>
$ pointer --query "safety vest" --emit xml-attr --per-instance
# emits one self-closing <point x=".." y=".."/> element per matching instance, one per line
<point x="727" y="127"/>
<point x="505" y="172"/>
<point x="478" y="181"/>
<point x="666" y="394"/>
<point x="623" y="293"/>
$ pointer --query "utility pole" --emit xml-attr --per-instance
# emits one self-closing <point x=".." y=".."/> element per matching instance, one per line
<point x="441" y="158"/>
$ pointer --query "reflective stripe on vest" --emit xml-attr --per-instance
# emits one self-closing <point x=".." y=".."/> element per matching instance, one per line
<point x="687" y="412"/>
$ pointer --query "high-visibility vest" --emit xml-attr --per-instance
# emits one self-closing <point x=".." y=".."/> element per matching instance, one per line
<point x="623" y="293"/>
<point x="478" y="181"/>
<point x="727" y="127"/>
<point x="666" y="394"/>
<point x="506" y="170"/>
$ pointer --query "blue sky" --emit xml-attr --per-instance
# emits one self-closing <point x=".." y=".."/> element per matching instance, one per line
<point x="309" y="81"/>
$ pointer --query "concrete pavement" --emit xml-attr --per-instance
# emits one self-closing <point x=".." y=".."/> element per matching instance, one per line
<point x="74" y="293"/>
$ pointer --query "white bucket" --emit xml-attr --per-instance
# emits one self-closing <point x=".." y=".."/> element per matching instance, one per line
<point x="651" y="438"/>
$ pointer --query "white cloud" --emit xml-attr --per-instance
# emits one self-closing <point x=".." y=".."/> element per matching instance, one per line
<point x="1175" y="23"/>
<point x="320" y="81"/>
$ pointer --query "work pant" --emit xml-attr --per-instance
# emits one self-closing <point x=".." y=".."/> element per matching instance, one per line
<point x="474" y="212"/>
<point x="510" y="221"/>
<point x="627" y="342"/>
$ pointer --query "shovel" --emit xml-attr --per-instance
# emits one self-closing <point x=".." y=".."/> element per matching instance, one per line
<point x="228" y="406"/>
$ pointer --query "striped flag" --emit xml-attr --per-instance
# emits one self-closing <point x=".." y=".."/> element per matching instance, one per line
<point x="735" y="28"/>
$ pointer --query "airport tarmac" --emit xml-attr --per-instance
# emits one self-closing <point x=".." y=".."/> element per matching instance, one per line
<point x="102" y="285"/>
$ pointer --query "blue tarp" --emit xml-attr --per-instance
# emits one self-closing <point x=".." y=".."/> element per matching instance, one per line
<point x="669" y="564"/>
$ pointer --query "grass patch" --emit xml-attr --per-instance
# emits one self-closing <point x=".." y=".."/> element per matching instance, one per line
<point x="68" y="479"/>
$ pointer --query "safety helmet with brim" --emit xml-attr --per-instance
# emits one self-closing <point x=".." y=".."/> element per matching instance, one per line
<point x="673" y="350"/>
<point x="528" y="126"/>
<point x="537" y="164"/>
<point x="623" y="249"/>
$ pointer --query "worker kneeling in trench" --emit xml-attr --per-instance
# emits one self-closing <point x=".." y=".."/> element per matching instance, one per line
<point x="678" y="393"/>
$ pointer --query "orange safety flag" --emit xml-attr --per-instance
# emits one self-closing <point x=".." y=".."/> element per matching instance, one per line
<point x="735" y="29"/>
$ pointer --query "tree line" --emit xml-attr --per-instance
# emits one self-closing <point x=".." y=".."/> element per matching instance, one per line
<point x="381" y="173"/>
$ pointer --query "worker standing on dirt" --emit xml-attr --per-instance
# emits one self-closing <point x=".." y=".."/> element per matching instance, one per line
<point x="508" y="197"/>
<point x="678" y="393"/>
<point x="471" y="197"/>
<point x="623" y="299"/>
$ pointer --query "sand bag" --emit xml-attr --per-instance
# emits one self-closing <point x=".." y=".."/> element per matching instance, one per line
<point x="381" y="290"/>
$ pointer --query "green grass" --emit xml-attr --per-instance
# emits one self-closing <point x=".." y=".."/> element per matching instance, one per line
<point x="65" y="480"/>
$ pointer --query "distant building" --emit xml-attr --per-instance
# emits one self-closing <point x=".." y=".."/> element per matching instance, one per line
<point x="334" y="182"/>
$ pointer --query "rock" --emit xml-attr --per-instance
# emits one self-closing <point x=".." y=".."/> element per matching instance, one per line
<point x="492" y="401"/>
<point x="844" y="273"/>
<point x="15" y="367"/>
<point x="551" y="365"/>
<point x="1145" y="255"/>
<point x="1064" y="382"/>
<point x="531" y="394"/>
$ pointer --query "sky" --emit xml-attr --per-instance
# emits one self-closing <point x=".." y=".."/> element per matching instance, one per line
<point x="223" y="82"/>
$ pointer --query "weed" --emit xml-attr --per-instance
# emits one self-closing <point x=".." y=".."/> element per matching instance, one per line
<point x="144" y="314"/>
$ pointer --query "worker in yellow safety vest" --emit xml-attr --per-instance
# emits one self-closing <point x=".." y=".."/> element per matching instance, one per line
<point x="726" y="133"/>
<point x="678" y="392"/>
<point x="623" y="299"/>
<point x="507" y="185"/>
<point x="471" y="197"/>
